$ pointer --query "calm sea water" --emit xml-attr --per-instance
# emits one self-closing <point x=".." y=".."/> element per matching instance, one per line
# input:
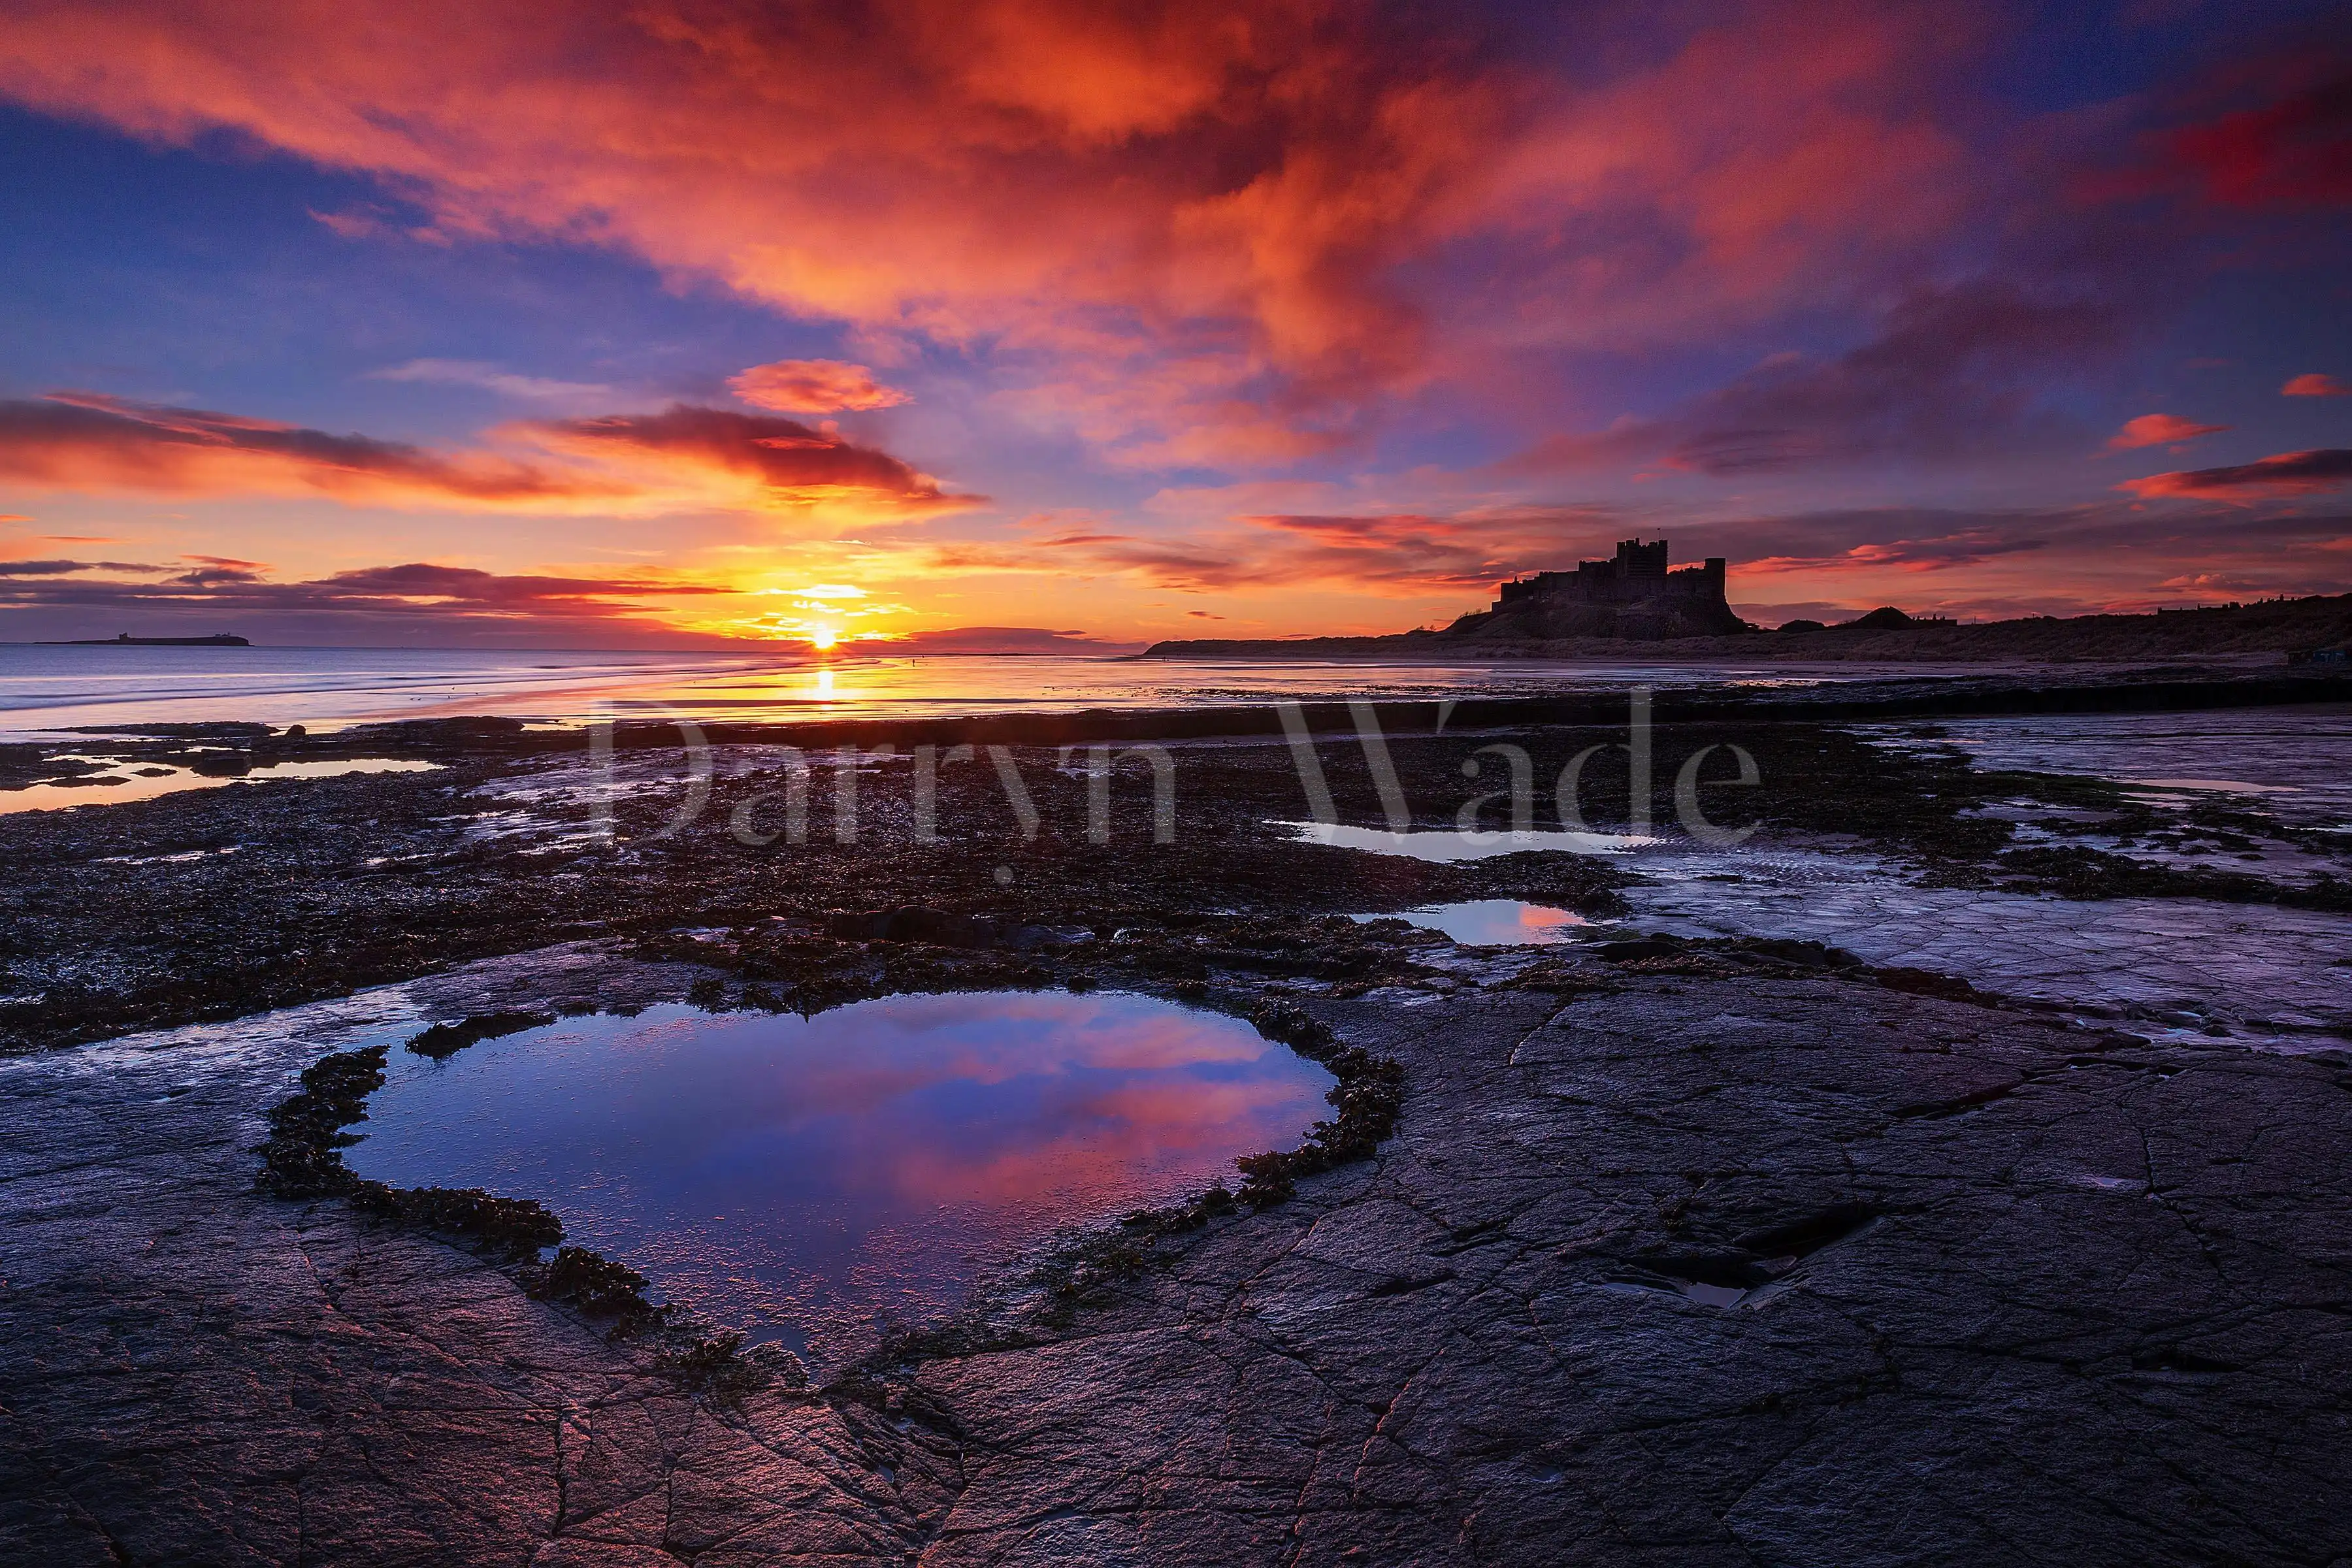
<point x="51" y="689"/>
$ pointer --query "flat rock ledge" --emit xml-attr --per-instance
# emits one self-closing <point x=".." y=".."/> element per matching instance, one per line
<point x="1682" y="1271"/>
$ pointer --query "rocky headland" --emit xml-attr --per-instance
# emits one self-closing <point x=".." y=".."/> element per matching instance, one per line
<point x="2275" y="631"/>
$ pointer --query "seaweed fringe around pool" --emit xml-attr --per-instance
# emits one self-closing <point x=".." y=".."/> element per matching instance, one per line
<point x="302" y="1159"/>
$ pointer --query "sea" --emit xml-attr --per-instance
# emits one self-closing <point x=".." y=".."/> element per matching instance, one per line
<point x="47" y="689"/>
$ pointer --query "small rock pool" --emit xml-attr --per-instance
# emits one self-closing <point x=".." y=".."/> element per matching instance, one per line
<point x="1494" y="923"/>
<point x="813" y="1180"/>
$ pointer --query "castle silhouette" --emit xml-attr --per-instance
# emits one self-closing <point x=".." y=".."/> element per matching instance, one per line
<point x="1634" y="594"/>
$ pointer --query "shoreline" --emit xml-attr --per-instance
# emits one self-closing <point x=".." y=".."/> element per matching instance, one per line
<point x="2105" y="688"/>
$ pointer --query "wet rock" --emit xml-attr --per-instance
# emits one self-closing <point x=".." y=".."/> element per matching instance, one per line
<point x="947" y="927"/>
<point x="1684" y="1272"/>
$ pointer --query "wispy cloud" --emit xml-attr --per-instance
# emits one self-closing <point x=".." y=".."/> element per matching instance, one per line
<point x="2316" y="385"/>
<point x="407" y="589"/>
<point x="1387" y="553"/>
<point x="55" y="568"/>
<point x="490" y="378"/>
<point x="1953" y="372"/>
<point x="1938" y="554"/>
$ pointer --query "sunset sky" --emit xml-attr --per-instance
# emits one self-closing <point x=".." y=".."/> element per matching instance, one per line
<point x="636" y="325"/>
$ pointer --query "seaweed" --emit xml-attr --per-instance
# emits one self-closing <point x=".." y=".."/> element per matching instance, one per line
<point x="718" y="1366"/>
<point x="513" y="1227"/>
<point x="302" y="1157"/>
<point x="596" y="1286"/>
<point x="1369" y="1097"/>
<point x="445" y="1040"/>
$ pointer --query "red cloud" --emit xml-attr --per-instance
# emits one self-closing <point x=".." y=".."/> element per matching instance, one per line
<point x="814" y="386"/>
<point x="2316" y="385"/>
<point x="2293" y="152"/>
<point x="2157" y="430"/>
<point x="2288" y="473"/>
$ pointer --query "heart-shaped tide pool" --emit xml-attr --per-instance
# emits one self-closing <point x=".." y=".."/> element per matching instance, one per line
<point x="813" y="1180"/>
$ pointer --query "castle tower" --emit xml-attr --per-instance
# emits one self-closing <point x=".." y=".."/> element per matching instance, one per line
<point x="1635" y="559"/>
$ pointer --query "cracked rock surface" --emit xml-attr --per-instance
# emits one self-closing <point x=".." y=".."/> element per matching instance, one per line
<point x="1672" y="1268"/>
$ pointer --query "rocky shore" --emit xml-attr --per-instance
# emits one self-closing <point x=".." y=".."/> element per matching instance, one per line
<point x="1729" y="1250"/>
<point x="1666" y="1261"/>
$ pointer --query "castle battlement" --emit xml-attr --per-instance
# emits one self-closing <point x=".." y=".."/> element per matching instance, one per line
<point x="1638" y="571"/>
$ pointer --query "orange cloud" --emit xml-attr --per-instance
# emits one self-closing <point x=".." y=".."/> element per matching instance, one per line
<point x="2157" y="430"/>
<point x="686" y="456"/>
<point x="788" y="463"/>
<point x="76" y="440"/>
<point x="2288" y="473"/>
<point x="814" y="386"/>
<point x="2316" y="385"/>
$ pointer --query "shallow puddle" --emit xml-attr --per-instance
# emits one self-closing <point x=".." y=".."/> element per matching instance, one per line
<point x="2289" y="760"/>
<point x="125" y="781"/>
<point x="1450" y="845"/>
<point x="812" y="1180"/>
<point x="2258" y="973"/>
<point x="1493" y="922"/>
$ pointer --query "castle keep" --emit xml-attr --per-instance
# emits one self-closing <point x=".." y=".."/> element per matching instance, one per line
<point x="1634" y="594"/>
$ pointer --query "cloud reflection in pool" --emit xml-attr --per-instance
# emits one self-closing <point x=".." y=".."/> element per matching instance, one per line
<point x="1493" y="922"/>
<point x="809" y="1179"/>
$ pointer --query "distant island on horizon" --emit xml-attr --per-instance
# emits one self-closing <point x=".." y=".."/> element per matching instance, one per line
<point x="124" y="639"/>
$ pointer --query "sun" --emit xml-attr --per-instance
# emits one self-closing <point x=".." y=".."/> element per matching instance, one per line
<point x="823" y="638"/>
